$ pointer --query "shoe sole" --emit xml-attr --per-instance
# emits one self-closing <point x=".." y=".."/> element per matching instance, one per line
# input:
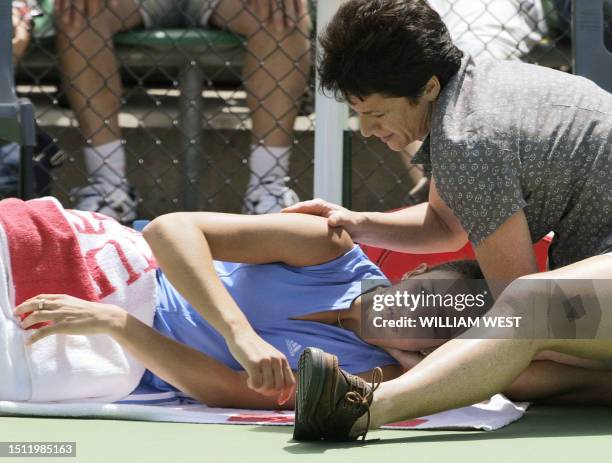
<point x="310" y="384"/>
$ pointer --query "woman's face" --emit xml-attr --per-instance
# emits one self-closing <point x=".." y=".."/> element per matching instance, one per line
<point x="395" y="120"/>
<point x="409" y="344"/>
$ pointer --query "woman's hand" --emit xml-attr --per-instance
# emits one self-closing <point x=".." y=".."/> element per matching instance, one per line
<point x="21" y="31"/>
<point x="337" y="216"/>
<point x="62" y="314"/>
<point x="283" y="14"/>
<point x="268" y="369"/>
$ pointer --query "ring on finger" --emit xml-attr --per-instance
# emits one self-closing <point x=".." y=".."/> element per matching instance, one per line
<point x="41" y="303"/>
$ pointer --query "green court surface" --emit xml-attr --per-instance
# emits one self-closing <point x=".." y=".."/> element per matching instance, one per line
<point x="545" y="434"/>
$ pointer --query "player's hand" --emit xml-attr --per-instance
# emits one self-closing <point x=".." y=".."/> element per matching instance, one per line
<point x="22" y="22"/>
<point x="51" y="314"/>
<point x="268" y="369"/>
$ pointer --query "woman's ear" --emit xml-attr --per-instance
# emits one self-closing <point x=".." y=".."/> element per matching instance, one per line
<point x="421" y="268"/>
<point x="418" y="270"/>
<point x="432" y="89"/>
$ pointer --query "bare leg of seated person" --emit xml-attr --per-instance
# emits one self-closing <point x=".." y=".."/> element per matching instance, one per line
<point x="275" y="77"/>
<point x="91" y="80"/>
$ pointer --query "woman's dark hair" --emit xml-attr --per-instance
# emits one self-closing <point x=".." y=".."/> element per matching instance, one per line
<point x="468" y="268"/>
<point x="392" y="47"/>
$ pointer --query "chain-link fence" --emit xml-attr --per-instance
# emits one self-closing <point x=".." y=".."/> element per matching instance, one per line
<point x="163" y="105"/>
<point x="159" y="105"/>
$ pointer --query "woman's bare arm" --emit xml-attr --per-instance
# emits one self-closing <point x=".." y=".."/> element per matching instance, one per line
<point x="185" y="245"/>
<point x="296" y="239"/>
<point x="187" y="369"/>
<point x="427" y="227"/>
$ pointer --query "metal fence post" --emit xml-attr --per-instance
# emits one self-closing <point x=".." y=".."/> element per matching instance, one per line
<point x="190" y="125"/>
<point x="330" y="122"/>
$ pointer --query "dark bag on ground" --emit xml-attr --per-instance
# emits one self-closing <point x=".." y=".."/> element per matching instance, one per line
<point x="46" y="157"/>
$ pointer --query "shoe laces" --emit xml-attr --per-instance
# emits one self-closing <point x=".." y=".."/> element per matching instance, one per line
<point x="361" y="398"/>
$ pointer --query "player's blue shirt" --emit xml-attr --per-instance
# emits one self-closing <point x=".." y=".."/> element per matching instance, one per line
<point x="270" y="295"/>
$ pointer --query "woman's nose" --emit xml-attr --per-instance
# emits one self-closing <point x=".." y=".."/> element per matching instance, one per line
<point x="366" y="126"/>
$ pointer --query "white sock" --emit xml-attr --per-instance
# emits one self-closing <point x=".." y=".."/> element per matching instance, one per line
<point x="268" y="161"/>
<point x="106" y="162"/>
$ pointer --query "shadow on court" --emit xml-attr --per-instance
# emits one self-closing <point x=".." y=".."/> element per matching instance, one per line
<point x="541" y="422"/>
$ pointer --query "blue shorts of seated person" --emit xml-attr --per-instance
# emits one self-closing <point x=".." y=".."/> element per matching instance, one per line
<point x="270" y="295"/>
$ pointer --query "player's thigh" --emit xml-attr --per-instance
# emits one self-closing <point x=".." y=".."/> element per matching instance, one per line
<point x="242" y="17"/>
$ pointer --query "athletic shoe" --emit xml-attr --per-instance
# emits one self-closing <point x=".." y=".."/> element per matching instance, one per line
<point x="107" y="199"/>
<point x="329" y="400"/>
<point x="269" y="195"/>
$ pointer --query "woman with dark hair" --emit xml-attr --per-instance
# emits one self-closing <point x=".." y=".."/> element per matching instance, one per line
<point x="515" y="151"/>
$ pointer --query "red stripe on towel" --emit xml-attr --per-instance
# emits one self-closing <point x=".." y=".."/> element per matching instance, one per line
<point x="406" y="424"/>
<point x="45" y="253"/>
<point x="276" y="419"/>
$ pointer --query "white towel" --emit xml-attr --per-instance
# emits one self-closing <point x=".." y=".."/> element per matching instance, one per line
<point x="16" y="383"/>
<point x="487" y="416"/>
<point x="86" y="255"/>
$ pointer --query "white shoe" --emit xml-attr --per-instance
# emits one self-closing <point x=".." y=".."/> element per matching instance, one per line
<point x="107" y="199"/>
<point x="270" y="195"/>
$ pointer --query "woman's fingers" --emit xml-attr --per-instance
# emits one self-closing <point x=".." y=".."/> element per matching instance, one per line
<point x="267" y="378"/>
<point x="289" y="384"/>
<point x="274" y="378"/>
<point x="279" y="382"/>
<point x="278" y="15"/>
<point x="338" y="218"/>
<point x="56" y="328"/>
<point x="268" y="370"/>
<point x="41" y="316"/>
<point x="59" y="11"/>
<point x="313" y="207"/>
<point x="75" y="316"/>
<point x="255" y="379"/>
<point x="300" y="8"/>
<point x="291" y="19"/>
<point x="41" y="302"/>
<point x="261" y="8"/>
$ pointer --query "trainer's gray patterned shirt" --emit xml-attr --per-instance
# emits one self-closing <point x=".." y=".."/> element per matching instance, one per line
<point x="508" y="136"/>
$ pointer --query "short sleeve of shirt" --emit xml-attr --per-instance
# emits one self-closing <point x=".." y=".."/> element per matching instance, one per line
<point x="479" y="179"/>
<point x="423" y="156"/>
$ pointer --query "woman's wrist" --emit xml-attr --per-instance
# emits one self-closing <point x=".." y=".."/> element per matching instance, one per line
<point x="237" y="330"/>
<point x="359" y="229"/>
<point x="118" y="323"/>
